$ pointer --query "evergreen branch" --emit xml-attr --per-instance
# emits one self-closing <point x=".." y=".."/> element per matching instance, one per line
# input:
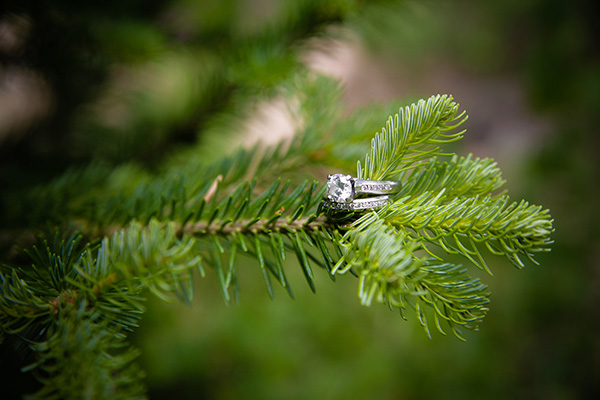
<point x="148" y="227"/>
<point x="458" y="177"/>
<point x="160" y="257"/>
<point x="110" y="277"/>
<point x="411" y="136"/>
<point x="154" y="232"/>
<point x="95" y="292"/>
<point x="32" y="294"/>
<point x="20" y="305"/>
<point x="265" y="228"/>
<point x="460" y="224"/>
<point x="82" y="357"/>
<point x="390" y="272"/>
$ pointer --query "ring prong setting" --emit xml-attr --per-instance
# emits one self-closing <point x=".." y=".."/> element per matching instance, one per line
<point x="340" y="188"/>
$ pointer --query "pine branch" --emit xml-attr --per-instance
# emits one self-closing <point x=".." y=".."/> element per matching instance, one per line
<point x="266" y="228"/>
<point x="154" y="233"/>
<point x="411" y="136"/>
<point x="83" y="357"/>
<point x="458" y="177"/>
<point x="451" y="205"/>
<point x="123" y="231"/>
<point x="460" y="225"/>
<point x="391" y="272"/>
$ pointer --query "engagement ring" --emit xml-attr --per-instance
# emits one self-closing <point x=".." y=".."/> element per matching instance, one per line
<point x="347" y="193"/>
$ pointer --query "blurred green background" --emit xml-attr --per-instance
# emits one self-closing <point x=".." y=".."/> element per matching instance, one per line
<point x="137" y="81"/>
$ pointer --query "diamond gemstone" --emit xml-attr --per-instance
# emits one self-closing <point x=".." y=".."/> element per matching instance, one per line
<point x="340" y="188"/>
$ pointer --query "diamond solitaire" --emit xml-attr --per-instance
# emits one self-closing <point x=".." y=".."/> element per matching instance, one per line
<point x="340" y="188"/>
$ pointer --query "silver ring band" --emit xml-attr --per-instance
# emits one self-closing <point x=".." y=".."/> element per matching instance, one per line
<point x="343" y="190"/>
<point x="359" y="204"/>
<point x="362" y="186"/>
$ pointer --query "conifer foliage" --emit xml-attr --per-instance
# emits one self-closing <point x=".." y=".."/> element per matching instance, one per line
<point x="82" y="290"/>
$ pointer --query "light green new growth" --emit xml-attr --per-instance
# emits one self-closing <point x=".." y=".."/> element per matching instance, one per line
<point x="411" y="136"/>
<point x="82" y="292"/>
<point x="391" y="272"/>
<point x="450" y="205"/>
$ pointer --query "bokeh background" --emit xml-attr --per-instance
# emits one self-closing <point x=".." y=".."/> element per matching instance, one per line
<point x="135" y="81"/>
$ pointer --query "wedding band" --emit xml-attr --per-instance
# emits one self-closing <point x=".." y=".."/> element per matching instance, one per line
<point x="343" y="190"/>
<point x="359" y="204"/>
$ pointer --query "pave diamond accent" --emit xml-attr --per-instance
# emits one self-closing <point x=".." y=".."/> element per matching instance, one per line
<point x="340" y="188"/>
<point x="376" y="187"/>
<point x="357" y="205"/>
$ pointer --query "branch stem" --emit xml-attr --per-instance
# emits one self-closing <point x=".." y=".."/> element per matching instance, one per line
<point x="264" y="225"/>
